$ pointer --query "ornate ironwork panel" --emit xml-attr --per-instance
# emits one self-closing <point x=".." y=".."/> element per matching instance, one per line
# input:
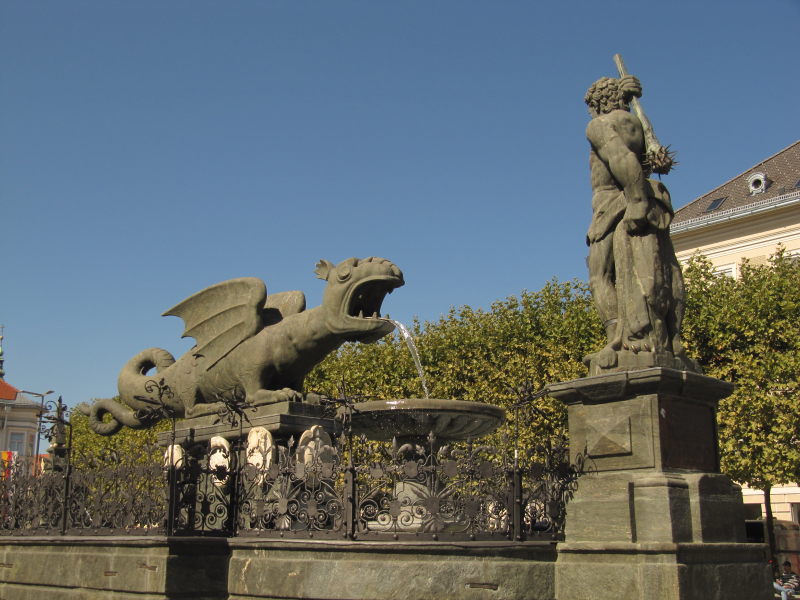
<point x="31" y="503"/>
<point x="433" y="492"/>
<point x="112" y="494"/>
<point x="315" y="486"/>
<point x="292" y="490"/>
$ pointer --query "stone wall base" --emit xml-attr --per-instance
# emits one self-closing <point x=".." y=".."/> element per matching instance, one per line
<point x="662" y="571"/>
<point x="159" y="568"/>
<point x="113" y="568"/>
<point x="389" y="571"/>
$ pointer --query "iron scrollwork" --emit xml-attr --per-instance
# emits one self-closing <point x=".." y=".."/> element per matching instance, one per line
<point x="315" y="485"/>
<point x="291" y="488"/>
<point x="439" y="490"/>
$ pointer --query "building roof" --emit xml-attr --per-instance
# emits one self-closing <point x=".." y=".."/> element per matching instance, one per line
<point x="10" y="394"/>
<point x="781" y="184"/>
<point x="7" y="391"/>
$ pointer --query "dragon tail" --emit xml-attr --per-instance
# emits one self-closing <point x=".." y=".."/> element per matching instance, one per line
<point x="134" y="375"/>
<point x="131" y="409"/>
<point x="121" y="416"/>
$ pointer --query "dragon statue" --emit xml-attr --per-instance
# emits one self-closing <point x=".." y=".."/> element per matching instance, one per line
<point x="250" y="344"/>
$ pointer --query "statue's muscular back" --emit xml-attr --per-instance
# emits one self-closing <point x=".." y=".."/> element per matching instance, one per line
<point x="612" y="136"/>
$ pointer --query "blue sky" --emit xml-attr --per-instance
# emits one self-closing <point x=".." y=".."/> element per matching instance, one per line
<point x="149" y="149"/>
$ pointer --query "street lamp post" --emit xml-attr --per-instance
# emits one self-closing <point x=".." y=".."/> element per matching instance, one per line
<point x="41" y="413"/>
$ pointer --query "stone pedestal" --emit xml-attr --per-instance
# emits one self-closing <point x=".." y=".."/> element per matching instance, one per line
<point x="653" y="517"/>
<point x="282" y="419"/>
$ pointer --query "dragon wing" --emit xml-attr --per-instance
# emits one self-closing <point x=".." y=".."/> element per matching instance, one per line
<point x="281" y="305"/>
<point x="222" y="316"/>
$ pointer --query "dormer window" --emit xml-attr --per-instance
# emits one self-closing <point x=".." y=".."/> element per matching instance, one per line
<point x="757" y="182"/>
<point x="715" y="204"/>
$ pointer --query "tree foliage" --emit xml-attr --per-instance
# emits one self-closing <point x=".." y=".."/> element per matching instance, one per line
<point x="747" y="331"/>
<point x="131" y="446"/>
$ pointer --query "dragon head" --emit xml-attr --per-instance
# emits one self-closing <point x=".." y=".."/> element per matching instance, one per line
<point x="352" y="300"/>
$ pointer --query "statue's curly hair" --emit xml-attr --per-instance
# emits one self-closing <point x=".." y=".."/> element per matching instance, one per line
<point x="604" y="96"/>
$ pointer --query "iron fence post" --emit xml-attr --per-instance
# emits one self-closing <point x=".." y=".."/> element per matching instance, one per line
<point x="67" y="477"/>
<point x="351" y="485"/>
<point x="171" y="480"/>
<point x="235" y="458"/>
<point x="515" y="493"/>
<point x="516" y="483"/>
<point x="171" y="499"/>
<point x="351" y="502"/>
<point x="65" y="508"/>
<point x="351" y="473"/>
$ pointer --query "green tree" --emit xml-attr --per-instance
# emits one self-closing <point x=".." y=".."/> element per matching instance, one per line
<point x="128" y="446"/>
<point x="747" y="331"/>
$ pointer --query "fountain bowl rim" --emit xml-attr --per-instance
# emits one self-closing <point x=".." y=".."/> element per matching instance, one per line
<point x="363" y="412"/>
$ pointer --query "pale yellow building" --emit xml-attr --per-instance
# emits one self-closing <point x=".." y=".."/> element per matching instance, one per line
<point x="747" y="217"/>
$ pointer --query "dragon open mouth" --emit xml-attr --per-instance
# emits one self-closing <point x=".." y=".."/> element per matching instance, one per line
<point x="366" y="299"/>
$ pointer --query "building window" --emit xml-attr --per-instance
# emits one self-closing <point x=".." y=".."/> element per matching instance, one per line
<point x="17" y="443"/>
<point x="725" y="270"/>
<point x="757" y="182"/>
<point x="716" y="203"/>
<point x="795" y="508"/>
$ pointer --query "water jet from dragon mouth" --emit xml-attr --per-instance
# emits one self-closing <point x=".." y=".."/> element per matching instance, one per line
<point x="412" y="347"/>
<point x="420" y="418"/>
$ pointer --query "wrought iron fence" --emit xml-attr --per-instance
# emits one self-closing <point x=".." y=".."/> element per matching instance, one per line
<point x="345" y="487"/>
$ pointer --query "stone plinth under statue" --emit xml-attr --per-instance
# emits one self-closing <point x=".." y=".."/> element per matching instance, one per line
<point x="283" y="420"/>
<point x="653" y="517"/>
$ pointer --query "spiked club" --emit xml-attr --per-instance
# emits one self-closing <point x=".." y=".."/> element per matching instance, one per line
<point x="659" y="159"/>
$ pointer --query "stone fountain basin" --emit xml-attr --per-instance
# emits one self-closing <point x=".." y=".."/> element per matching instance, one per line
<point x="417" y="417"/>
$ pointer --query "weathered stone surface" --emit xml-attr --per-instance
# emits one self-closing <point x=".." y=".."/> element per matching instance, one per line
<point x="717" y="509"/>
<point x="662" y="571"/>
<point x="381" y="571"/>
<point x="655" y="418"/>
<point x="282" y="420"/>
<point x="240" y="569"/>
<point x="652" y="517"/>
<point x="108" y="568"/>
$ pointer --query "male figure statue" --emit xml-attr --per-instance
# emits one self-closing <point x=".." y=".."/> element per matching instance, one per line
<point x="633" y="273"/>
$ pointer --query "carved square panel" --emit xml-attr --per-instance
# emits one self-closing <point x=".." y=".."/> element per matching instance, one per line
<point x="609" y="437"/>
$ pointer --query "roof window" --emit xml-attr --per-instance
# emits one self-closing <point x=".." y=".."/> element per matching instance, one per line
<point x="715" y="204"/>
<point x="757" y="182"/>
